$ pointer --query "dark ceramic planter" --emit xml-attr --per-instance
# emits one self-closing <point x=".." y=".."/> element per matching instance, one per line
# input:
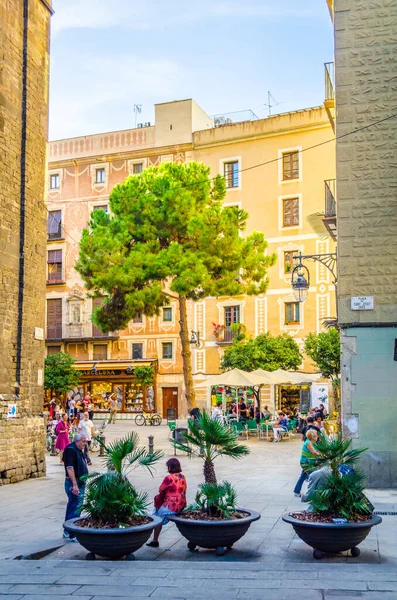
<point x="112" y="543"/>
<point x="214" y="534"/>
<point x="332" y="537"/>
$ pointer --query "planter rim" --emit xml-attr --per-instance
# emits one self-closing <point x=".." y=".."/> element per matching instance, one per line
<point x="71" y="527"/>
<point x="375" y="520"/>
<point x="252" y="515"/>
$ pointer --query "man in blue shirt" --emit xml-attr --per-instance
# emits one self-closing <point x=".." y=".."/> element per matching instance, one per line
<point x="280" y="426"/>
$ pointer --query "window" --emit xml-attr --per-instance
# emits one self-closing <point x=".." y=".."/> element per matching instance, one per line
<point x="232" y="315"/>
<point x="290" y="165"/>
<point x="231" y="173"/>
<point x="100" y="176"/>
<point x="167" y="314"/>
<point x="167" y="350"/>
<point x="54" y="225"/>
<point x="100" y="352"/>
<point x="54" y="266"/>
<point x="53" y="349"/>
<point x="137" y="351"/>
<point x="138" y="319"/>
<point x="137" y="168"/>
<point x="54" y="319"/>
<point x="291" y="212"/>
<point x="292" y="313"/>
<point x="103" y="207"/>
<point x="54" y="181"/>
<point x="289" y="260"/>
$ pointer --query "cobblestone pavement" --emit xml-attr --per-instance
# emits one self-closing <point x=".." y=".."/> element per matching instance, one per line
<point x="269" y="561"/>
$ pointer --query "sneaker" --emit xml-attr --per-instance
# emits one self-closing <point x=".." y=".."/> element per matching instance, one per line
<point x="298" y="495"/>
<point x="65" y="535"/>
<point x="73" y="539"/>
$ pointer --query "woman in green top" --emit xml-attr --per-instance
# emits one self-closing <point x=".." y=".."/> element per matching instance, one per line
<point x="308" y="460"/>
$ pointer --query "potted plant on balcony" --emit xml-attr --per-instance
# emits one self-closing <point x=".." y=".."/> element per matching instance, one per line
<point x="213" y="521"/>
<point x="341" y="515"/>
<point x="218" y="330"/>
<point x="114" y="522"/>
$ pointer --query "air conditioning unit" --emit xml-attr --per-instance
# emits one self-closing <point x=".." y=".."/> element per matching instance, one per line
<point x="140" y="125"/>
<point x="220" y="121"/>
<point x="147" y="124"/>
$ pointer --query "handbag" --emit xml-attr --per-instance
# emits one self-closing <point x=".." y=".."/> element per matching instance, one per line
<point x="159" y="500"/>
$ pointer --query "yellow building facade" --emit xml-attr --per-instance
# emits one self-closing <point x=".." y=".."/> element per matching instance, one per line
<point x="275" y="169"/>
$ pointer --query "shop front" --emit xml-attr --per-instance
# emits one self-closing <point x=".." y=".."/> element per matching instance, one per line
<point x="102" y="379"/>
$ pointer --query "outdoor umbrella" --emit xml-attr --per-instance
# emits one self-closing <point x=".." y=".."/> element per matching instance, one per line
<point x="295" y="377"/>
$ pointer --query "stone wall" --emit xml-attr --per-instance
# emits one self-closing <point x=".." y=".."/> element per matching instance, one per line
<point x="22" y="439"/>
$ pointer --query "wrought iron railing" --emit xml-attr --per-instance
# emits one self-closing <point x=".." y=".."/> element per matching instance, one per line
<point x="229" y="333"/>
<point x="329" y="81"/>
<point x="330" y="198"/>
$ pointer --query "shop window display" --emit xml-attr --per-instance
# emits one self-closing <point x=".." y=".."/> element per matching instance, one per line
<point x="100" y="392"/>
<point x="133" y="398"/>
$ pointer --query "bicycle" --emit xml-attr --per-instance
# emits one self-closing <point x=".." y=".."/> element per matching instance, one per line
<point x="148" y="419"/>
<point x="95" y="442"/>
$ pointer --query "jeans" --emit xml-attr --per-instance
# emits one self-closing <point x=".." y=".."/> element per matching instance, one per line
<point x="86" y="449"/>
<point x="74" y="501"/>
<point x="302" y="478"/>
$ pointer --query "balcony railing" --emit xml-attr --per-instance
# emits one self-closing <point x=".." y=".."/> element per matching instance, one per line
<point x="77" y="331"/>
<point x="330" y="198"/>
<point x="228" y="334"/>
<point x="329" y="81"/>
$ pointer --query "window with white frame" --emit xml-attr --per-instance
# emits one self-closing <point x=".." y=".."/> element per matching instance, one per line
<point x="292" y="313"/>
<point x="100" y="175"/>
<point x="54" y="181"/>
<point x="289" y="262"/>
<point x="54" y="225"/>
<point x="137" y="168"/>
<point x="103" y="207"/>
<point x="137" y="351"/>
<point x="167" y="314"/>
<point x="54" y="266"/>
<point x="167" y="350"/>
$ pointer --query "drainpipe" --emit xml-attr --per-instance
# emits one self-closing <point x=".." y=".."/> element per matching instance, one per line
<point x="22" y="212"/>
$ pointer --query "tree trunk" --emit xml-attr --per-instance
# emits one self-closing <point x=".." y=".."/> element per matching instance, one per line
<point x="209" y="472"/>
<point x="186" y="354"/>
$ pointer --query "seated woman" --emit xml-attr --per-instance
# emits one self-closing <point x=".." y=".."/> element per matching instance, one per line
<point x="171" y="498"/>
<point x="308" y="459"/>
<point x="280" y="426"/>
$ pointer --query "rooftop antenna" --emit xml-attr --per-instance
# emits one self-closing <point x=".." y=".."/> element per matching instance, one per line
<point x="137" y="109"/>
<point x="271" y="102"/>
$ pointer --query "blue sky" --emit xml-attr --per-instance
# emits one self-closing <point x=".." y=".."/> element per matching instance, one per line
<point x="107" y="55"/>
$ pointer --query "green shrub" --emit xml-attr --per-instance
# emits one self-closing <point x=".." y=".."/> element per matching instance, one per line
<point x="219" y="499"/>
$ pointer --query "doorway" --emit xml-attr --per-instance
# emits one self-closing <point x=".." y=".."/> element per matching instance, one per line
<point x="170" y="400"/>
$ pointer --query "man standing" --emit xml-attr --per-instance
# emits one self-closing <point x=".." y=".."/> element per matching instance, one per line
<point x="86" y="427"/>
<point x="75" y="467"/>
<point x="113" y="408"/>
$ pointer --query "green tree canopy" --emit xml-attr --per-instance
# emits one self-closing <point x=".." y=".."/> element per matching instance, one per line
<point x="263" y="352"/>
<point x="59" y="373"/>
<point x="168" y="235"/>
<point x="324" y="349"/>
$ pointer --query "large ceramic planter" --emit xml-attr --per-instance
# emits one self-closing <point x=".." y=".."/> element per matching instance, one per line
<point x="112" y="543"/>
<point x="332" y="537"/>
<point x="214" y="534"/>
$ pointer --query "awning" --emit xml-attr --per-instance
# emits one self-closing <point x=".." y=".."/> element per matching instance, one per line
<point x="233" y="378"/>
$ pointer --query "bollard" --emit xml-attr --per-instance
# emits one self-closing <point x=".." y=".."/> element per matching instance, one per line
<point x="151" y="444"/>
<point x="102" y="441"/>
<point x="53" y="440"/>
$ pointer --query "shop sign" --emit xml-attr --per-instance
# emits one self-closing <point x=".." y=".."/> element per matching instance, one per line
<point x="101" y="372"/>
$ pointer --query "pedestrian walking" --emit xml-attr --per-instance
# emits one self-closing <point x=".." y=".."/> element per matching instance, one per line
<point x="113" y="408"/>
<point x="86" y="427"/>
<point x="75" y="467"/>
<point x="62" y="432"/>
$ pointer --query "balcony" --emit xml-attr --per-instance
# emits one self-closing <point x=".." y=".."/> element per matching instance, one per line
<point x="329" y="101"/>
<point x="69" y="332"/>
<point x="229" y="333"/>
<point x="329" y="218"/>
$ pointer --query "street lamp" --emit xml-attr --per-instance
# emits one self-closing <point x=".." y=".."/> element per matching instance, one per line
<point x="195" y="338"/>
<point x="300" y="280"/>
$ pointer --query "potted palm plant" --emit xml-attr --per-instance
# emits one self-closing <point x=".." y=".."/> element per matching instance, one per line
<point x="114" y="521"/>
<point x="341" y="516"/>
<point x="213" y="521"/>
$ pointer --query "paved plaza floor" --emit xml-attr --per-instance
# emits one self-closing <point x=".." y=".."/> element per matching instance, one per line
<point x="269" y="557"/>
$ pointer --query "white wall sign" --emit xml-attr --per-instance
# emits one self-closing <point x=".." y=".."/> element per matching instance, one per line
<point x="38" y="333"/>
<point x="40" y="377"/>
<point x="11" y="411"/>
<point x="319" y="395"/>
<point x="362" y="303"/>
